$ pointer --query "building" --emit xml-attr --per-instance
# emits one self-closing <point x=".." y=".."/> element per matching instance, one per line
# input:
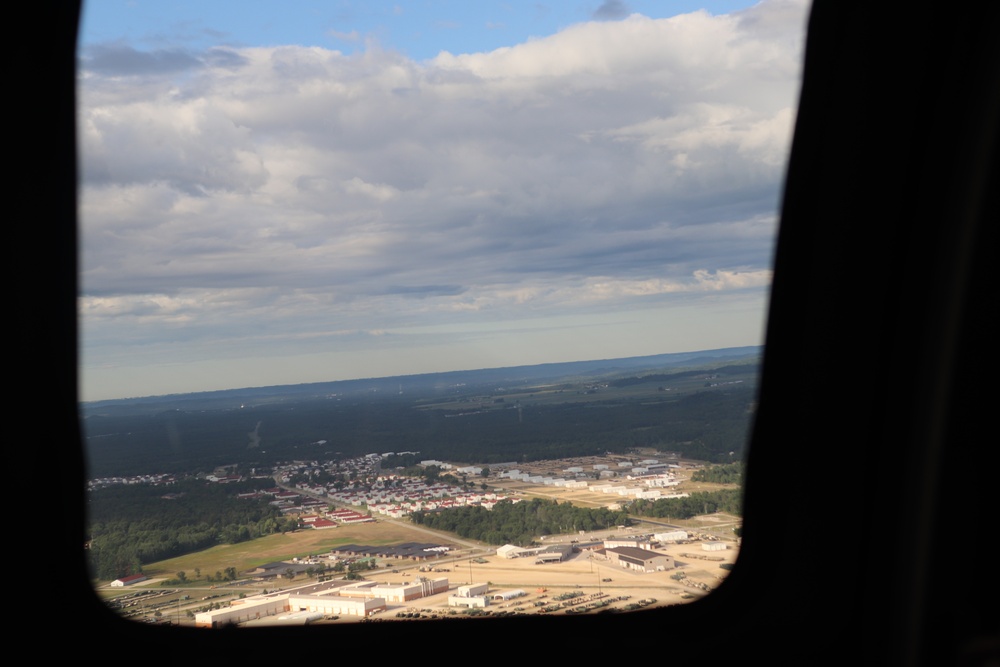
<point x="548" y="557"/>
<point x="472" y="596"/>
<point x="640" y="560"/>
<point x="510" y="551"/>
<point x="672" y="536"/>
<point x="505" y="596"/>
<point x="473" y="601"/>
<point x="635" y="542"/>
<point x="418" y="588"/>
<point x="129" y="580"/>
<point x="288" y="605"/>
<point x="471" y="590"/>
<point x="274" y="570"/>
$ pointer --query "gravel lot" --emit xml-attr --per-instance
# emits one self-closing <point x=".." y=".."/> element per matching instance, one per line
<point x="585" y="573"/>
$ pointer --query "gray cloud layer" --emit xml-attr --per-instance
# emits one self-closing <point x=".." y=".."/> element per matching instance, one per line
<point x="300" y="193"/>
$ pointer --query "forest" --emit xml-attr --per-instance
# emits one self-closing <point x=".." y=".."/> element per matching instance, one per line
<point x="482" y="425"/>
<point x="727" y="473"/>
<point x="520" y="523"/>
<point x="705" y="502"/>
<point x="134" y="524"/>
<point x="702" y="413"/>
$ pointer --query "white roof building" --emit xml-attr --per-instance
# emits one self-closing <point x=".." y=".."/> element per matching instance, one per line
<point x="128" y="581"/>
<point x="510" y="551"/>
<point x="672" y="536"/>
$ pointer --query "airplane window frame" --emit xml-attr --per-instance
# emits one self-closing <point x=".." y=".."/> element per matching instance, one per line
<point x="902" y="616"/>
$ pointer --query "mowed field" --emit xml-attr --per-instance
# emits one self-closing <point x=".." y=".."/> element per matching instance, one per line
<point x="280" y="547"/>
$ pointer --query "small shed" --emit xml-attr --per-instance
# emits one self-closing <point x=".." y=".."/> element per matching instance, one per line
<point x="128" y="581"/>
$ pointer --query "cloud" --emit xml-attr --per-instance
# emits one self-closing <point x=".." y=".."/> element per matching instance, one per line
<point x="290" y="190"/>
<point x="352" y="36"/>
<point x="611" y="10"/>
<point x="379" y="192"/>
<point x="123" y="60"/>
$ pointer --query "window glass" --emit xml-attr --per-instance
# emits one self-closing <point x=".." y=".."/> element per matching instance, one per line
<point x="296" y="216"/>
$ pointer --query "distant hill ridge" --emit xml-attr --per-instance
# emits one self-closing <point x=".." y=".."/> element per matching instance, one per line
<point x="697" y="403"/>
<point x="510" y="374"/>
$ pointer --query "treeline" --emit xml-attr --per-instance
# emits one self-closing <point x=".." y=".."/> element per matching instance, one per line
<point x="171" y="441"/>
<point x="135" y="525"/>
<point x="728" y="473"/>
<point x="519" y="523"/>
<point x="726" y="500"/>
<point x="722" y="371"/>
<point x="706" y="425"/>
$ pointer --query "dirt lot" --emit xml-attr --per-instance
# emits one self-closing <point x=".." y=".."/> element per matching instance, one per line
<point x="586" y="573"/>
<point x="589" y="576"/>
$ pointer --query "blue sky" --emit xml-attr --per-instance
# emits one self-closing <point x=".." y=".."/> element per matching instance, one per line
<point x="418" y="29"/>
<point x="310" y="191"/>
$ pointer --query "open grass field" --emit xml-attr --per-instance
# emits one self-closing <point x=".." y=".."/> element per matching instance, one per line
<point x="301" y="543"/>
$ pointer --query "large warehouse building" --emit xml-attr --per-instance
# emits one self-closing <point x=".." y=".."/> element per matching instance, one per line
<point x="641" y="560"/>
<point x="331" y="599"/>
<point x="274" y="605"/>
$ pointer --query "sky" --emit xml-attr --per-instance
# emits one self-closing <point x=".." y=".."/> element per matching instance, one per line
<point x="280" y="193"/>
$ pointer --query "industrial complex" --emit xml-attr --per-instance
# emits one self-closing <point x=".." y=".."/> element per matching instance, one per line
<point x="315" y="601"/>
